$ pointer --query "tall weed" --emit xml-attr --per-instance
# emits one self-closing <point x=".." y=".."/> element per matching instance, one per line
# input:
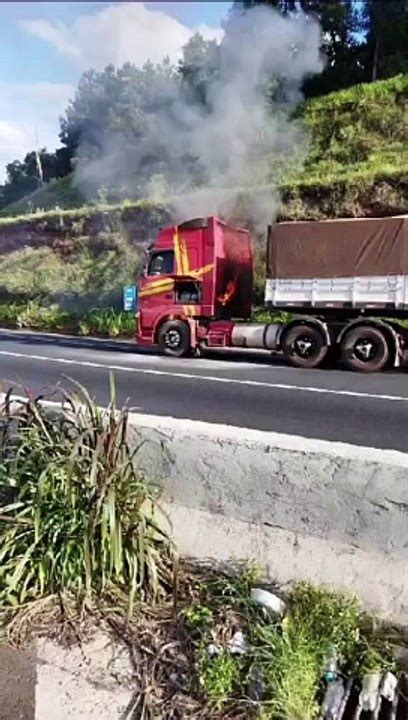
<point x="75" y="515"/>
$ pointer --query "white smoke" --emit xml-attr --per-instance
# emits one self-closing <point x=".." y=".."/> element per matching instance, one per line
<point x="244" y="138"/>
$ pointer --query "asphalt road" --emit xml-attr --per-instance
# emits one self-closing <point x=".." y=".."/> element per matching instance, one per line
<point x="247" y="391"/>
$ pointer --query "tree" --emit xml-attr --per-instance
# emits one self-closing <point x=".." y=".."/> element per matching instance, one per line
<point x="198" y="68"/>
<point x="339" y="21"/>
<point x="386" y="46"/>
<point x="114" y="125"/>
<point x="23" y="177"/>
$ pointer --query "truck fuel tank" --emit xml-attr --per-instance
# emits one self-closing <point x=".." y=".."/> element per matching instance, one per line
<point x="255" y="335"/>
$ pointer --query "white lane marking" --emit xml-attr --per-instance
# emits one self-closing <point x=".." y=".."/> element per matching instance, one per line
<point x="207" y="378"/>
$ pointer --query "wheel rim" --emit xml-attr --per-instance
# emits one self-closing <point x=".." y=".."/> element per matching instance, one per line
<point x="304" y="346"/>
<point x="364" y="350"/>
<point x="172" y="339"/>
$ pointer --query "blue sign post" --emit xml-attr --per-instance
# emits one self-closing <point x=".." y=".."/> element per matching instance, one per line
<point x="129" y="298"/>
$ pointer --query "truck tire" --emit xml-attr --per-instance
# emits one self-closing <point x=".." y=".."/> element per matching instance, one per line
<point x="174" y="338"/>
<point x="304" y="346"/>
<point x="365" y="349"/>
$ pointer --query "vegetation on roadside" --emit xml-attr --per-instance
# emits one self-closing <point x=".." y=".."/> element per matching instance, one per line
<point x="76" y="516"/>
<point x="81" y="211"/>
<point x="105" y="322"/>
<point x="82" y="545"/>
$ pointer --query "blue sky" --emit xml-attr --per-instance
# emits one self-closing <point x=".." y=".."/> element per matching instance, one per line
<point x="46" y="46"/>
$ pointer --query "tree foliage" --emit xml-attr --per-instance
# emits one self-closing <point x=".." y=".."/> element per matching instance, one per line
<point x="386" y="45"/>
<point x="38" y="167"/>
<point x="362" y="40"/>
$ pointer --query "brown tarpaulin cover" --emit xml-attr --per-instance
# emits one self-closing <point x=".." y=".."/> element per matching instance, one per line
<point x="339" y="248"/>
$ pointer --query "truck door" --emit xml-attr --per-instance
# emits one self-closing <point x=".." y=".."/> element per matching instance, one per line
<point x="156" y="289"/>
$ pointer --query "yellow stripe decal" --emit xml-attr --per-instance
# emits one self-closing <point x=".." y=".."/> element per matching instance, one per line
<point x="184" y="256"/>
<point x="165" y="281"/>
<point x="189" y="310"/>
<point x="177" y="252"/>
<point x="201" y="271"/>
<point x="181" y="253"/>
<point x="157" y="289"/>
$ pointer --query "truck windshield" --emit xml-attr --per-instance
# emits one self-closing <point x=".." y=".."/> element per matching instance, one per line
<point x="161" y="263"/>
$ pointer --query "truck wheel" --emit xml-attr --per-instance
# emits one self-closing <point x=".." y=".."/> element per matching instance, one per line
<point x="304" y="346"/>
<point x="174" y="338"/>
<point x="365" y="349"/>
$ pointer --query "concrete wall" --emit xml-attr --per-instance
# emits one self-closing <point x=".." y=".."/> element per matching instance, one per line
<point x="301" y="509"/>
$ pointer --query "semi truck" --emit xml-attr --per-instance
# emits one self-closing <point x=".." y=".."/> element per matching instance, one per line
<point x="343" y="284"/>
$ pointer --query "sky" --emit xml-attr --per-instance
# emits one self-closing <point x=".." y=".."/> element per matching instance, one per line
<point x="45" y="47"/>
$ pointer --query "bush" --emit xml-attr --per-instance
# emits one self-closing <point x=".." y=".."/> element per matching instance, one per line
<point x="105" y="322"/>
<point x="76" y="517"/>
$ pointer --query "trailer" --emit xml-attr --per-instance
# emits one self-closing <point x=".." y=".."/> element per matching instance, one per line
<point x="345" y="283"/>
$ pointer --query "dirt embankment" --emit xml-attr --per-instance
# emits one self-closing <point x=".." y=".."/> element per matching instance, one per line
<point x="59" y="231"/>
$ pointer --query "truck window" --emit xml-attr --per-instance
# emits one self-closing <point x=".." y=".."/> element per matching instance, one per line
<point x="161" y="263"/>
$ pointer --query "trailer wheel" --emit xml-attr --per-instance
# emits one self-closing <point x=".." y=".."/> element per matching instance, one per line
<point x="304" y="346"/>
<point x="365" y="349"/>
<point x="174" y="338"/>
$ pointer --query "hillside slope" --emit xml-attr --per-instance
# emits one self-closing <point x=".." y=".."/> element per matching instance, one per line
<point x="358" y="132"/>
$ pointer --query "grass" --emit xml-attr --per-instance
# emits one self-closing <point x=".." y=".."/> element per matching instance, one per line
<point x="291" y="672"/>
<point x="76" y="213"/>
<point x="82" y="211"/>
<point x="325" y="175"/>
<point x="359" y="126"/>
<point x="107" y="323"/>
<point x="281" y="674"/>
<point x="75" y="515"/>
<point x="380" y="168"/>
<point x="59" y="192"/>
<point x="91" y="272"/>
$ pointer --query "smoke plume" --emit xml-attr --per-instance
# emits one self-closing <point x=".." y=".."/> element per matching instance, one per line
<point x="208" y="158"/>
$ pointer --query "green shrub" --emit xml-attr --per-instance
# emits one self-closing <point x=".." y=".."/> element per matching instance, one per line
<point x="75" y="515"/>
<point x="100" y="322"/>
<point x="108" y="322"/>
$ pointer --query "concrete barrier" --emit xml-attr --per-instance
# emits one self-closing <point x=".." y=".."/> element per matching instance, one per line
<point x="302" y="509"/>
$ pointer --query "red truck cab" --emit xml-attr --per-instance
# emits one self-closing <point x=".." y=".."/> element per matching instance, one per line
<point x="197" y="278"/>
